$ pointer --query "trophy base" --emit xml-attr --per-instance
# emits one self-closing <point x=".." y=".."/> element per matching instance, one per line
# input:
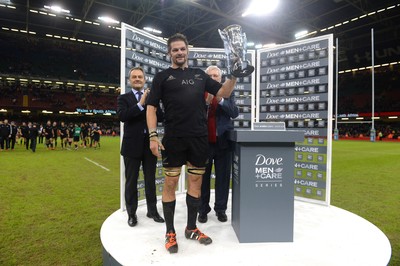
<point x="239" y="73"/>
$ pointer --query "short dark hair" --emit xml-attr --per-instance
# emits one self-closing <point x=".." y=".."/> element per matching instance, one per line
<point x="136" y="68"/>
<point x="177" y="37"/>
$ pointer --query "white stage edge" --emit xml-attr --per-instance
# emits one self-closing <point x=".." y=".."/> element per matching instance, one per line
<point x="323" y="236"/>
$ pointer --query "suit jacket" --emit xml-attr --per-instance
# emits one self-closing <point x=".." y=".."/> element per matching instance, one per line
<point x="224" y="115"/>
<point x="135" y="137"/>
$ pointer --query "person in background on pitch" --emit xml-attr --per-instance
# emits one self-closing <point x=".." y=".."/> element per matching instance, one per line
<point x="48" y="133"/>
<point x="24" y="133"/>
<point x="221" y="111"/>
<point x="33" y="135"/>
<point x="77" y="135"/>
<point x="13" y="134"/>
<point x="3" y="135"/>
<point x="96" y="131"/>
<point x="136" y="147"/>
<point x="181" y="90"/>
<point x="55" y="134"/>
<point x="7" y="134"/>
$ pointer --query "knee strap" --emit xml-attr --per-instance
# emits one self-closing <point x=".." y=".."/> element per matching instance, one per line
<point x="172" y="172"/>
<point x="196" y="170"/>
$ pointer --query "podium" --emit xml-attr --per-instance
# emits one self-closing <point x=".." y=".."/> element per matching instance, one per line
<point x="263" y="185"/>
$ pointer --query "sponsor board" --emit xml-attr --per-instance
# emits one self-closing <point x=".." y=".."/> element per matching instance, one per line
<point x="141" y="49"/>
<point x="294" y="83"/>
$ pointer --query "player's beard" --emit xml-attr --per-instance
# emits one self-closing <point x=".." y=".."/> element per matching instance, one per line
<point x="180" y="63"/>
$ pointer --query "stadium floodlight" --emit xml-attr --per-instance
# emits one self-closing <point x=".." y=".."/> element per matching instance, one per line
<point x="300" y="34"/>
<point x="107" y="19"/>
<point x="57" y="9"/>
<point x="269" y="45"/>
<point x="261" y="7"/>
<point x="152" y="30"/>
<point x="250" y="44"/>
<point x="3" y="110"/>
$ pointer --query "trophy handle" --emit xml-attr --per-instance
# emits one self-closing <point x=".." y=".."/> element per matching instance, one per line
<point x="243" y="70"/>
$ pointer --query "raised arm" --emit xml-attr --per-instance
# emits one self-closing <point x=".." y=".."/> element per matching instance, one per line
<point x="227" y="88"/>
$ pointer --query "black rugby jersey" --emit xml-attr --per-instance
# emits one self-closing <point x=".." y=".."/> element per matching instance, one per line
<point x="181" y="92"/>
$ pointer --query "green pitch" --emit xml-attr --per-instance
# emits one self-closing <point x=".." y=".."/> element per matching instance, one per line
<point x="53" y="202"/>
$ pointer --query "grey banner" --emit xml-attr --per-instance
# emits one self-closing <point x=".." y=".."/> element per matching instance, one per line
<point x="294" y="83"/>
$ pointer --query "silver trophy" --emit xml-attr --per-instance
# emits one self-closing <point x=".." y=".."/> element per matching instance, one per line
<point x="235" y="43"/>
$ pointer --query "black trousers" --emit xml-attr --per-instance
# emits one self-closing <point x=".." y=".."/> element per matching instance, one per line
<point x="222" y="159"/>
<point x="7" y="141"/>
<point x="33" y="144"/>
<point x="27" y="140"/>
<point x="132" y="167"/>
<point x="13" y="139"/>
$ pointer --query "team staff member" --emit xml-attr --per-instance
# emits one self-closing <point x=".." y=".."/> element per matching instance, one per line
<point x="13" y="134"/>
<point x="33" y="135"/>
<point x="181" y="90"/>
<point x="220" y="112"/>
<point x="135" y="147"/>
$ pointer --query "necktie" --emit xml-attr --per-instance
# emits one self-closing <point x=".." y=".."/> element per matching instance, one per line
<point x="212" y="121"/>
<point x="139" y="95"/>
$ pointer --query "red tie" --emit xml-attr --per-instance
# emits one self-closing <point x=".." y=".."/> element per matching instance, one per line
<point x="212" y="121"/>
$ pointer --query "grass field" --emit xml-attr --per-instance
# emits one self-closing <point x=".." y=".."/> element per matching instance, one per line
<point x="53" y="203"/>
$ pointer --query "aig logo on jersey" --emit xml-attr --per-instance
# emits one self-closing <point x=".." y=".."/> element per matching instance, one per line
<point x="187" y="81"/>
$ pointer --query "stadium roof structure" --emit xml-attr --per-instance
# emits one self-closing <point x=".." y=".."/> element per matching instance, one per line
<point x="349" y="20"/>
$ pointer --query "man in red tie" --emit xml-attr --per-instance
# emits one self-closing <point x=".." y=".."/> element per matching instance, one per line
<point x="221" y="111"/>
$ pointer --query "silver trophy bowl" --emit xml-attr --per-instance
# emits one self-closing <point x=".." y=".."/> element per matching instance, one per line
<point x="235" y="44"/>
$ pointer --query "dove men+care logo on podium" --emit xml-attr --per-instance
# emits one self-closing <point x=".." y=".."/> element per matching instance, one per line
<point x="268" y="171"/>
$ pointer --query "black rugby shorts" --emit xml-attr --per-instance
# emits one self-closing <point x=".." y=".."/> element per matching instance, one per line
<point x="180" y="150"/>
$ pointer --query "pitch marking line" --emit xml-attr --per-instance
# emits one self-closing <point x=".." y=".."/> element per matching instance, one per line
<point x="99" y="165"/>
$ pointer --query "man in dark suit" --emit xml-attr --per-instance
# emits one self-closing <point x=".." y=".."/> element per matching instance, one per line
<point x="13" y="135"/>
<point x="135" y="147"/>
<point x="221" y="111"/>
<point x="33" y="135"/>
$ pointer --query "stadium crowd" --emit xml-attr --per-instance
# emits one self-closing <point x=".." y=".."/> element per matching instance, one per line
<point x="36" y="57"/>
<point x="60" y="97"/>
<point x="355" y="91"/>
<point x="363" y="130"/>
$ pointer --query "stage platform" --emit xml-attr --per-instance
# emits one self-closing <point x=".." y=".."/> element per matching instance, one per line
<point x="323" y="236"/>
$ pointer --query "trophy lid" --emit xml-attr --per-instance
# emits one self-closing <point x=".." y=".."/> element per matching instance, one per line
<point x="233" y="27"/>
